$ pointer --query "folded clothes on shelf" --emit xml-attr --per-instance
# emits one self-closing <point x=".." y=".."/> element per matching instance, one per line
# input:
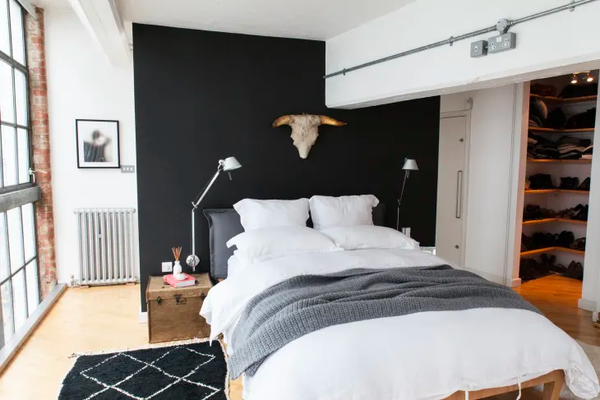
<point x="543" y="89"/>
<point x="565" y="148"/>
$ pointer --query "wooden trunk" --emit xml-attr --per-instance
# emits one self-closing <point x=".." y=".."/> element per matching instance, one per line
<point x="173" y="314"/>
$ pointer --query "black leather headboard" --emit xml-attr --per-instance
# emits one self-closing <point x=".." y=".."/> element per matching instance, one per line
<point x="224" y="223"/>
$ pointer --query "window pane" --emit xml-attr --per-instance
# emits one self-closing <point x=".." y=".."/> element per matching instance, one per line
<point x="7" y="311"/>
<point x="15" y="239"/>
<point x="23" y="147"/>
<point x="7" y="105"/>
<point x="4" y="38"/>
<point x="16" y="25"/>
<point x="19" y="299"/>
<point x="21" y="97"/>
<point x="33" y="289"/>
<point x="9" y="155"/>
<point x="4" y="263"/>
<point x="28" y="231"/>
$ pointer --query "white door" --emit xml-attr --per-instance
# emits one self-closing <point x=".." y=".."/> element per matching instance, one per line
<point x="451" y="188"/>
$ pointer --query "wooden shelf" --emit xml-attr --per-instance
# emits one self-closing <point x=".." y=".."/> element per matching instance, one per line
<point x="550" y="130"/>
<point x="552" y="161"/>
<point x="550" y="220"/>
<point x="557" y="191"/>
<point x="549" y="249"/>
<point x="553" y="99"/>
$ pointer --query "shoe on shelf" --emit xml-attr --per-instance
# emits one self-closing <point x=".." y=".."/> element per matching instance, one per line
<point x="581" y="212"/>
<point x="579" y="244"/>
<point x="569" y="183"/>
<point x="575" y="270"/>
<point x="541" y="181"/>
<point x="565" y="239"/>
<point x="585" y="185"/>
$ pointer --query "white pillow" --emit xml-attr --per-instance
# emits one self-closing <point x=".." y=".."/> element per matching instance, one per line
<point x="260" y="214"/>
<point x="328" y="212"/>
<point x="265" y="244"/>
<point x="369" y="237"/>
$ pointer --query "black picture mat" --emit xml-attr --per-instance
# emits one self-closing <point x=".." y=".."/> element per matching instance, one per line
<point x="201" y="96"/>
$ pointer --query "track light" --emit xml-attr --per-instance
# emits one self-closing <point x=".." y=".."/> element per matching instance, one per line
<point x="589" y="78"/>
<point x="574" y="79"/>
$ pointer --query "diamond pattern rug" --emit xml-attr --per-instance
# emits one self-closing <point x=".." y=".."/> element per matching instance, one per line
<point x="186" y="371"/>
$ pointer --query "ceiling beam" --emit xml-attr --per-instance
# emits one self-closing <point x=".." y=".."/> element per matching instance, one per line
<point x="104" y="23"/>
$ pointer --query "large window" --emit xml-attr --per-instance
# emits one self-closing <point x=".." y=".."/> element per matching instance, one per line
<point x="19" y="281"/>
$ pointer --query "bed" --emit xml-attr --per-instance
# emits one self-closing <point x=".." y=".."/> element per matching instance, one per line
<point x="454" y="354"/>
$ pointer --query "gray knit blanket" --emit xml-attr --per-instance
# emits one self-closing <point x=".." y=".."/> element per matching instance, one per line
<point x="307" y="303"/>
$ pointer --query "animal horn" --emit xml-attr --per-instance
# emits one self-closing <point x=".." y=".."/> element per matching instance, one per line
<point x="330" y="121"/>
<point x="283" y="120"/>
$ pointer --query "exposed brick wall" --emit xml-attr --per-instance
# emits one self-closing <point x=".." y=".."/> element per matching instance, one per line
<point x="38" y="99"/>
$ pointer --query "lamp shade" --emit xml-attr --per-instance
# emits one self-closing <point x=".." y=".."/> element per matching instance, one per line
<point x="231" y="163"/>
<point x="410" y="165"/>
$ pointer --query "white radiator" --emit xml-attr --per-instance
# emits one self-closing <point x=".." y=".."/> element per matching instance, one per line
<point x="106" y="246"/>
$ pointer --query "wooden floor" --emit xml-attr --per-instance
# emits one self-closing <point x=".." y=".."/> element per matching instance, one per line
<point x="557" y="297"/>
<point x="108" y="318"/>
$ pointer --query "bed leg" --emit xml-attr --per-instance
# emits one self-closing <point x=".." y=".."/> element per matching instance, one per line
<point x="552" y="389"/>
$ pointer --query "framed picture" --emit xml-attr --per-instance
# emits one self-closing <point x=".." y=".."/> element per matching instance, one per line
<point x="97" y="143"/>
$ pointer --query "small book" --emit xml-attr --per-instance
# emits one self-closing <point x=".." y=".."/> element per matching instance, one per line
<point x="188" y="281"/>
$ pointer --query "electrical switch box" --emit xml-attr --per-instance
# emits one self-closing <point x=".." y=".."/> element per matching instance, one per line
<point x="479" y="48"/>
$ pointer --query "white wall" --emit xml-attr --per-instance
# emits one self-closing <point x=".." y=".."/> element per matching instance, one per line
<point x="82" y="84"/>
<point x="591" y="279"/>
<point x="490" y="203"/>
<point x="551" y="44"/>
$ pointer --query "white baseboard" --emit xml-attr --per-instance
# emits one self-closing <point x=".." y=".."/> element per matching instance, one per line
<point x="143" y="317"/>
<point x="516" y="282"/>
<point x="587" y="305"/>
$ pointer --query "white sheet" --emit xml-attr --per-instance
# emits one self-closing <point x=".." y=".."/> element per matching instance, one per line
<point x="419" y="356"/>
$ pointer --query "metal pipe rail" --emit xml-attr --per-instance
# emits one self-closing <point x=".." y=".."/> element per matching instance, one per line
<point x="450" y="41"/>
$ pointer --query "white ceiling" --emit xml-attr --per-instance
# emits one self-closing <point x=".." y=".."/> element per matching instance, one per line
<point x="307" y="19"/>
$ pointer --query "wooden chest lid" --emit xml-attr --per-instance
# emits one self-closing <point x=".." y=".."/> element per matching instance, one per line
<point x="158" y="288"/>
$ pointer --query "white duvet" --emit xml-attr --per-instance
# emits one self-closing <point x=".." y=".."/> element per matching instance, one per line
<point x="428" y="355"/>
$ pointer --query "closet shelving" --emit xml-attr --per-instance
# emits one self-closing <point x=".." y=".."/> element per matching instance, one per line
<point x="551" y="249"/>
<point x="556" y="191"/>
<point x="552" y="130"/>
<point x="559" y="100"/>
<point x="556" y="199"/>
<point x="544" y="161"/>
<point x="550" y="220"/>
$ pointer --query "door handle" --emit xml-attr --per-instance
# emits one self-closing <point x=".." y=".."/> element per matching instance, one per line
<point x="459" y="183"/>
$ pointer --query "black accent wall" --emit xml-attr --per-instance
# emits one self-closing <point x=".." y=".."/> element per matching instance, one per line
<point x="202" y="96"/>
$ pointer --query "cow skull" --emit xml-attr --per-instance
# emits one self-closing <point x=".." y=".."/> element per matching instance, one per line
<point x="305" y="129"/>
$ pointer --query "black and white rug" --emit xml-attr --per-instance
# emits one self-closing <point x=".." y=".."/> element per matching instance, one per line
<point x="194" y="370"/>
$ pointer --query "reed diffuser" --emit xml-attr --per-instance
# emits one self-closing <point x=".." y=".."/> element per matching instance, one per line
<point x="177" y="271"/>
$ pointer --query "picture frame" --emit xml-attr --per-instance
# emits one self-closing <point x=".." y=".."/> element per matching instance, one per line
<point x="97" y="143"/>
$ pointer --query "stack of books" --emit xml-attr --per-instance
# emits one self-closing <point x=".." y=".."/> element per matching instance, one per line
<point x="177" y="284"/>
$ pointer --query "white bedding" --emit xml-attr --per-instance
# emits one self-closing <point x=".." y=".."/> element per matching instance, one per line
<point x="427" y="355"/>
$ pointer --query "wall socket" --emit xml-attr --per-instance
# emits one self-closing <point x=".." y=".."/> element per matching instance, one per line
<point x="504" y="42"/>
<point x="167" y="266"/>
